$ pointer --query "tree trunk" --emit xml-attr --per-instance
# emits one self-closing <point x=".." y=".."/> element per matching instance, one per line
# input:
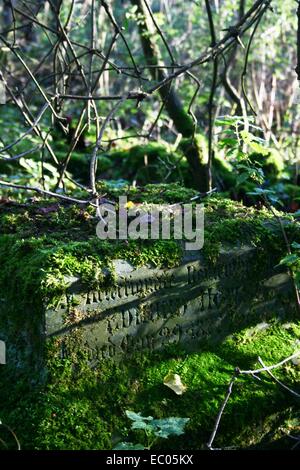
<point x="183" y="122"/>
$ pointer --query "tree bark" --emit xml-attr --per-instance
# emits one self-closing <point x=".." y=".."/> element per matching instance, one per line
<point x="183" y="122"/>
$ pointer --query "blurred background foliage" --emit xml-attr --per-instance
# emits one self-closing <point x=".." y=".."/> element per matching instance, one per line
<point x="259" y="147"/>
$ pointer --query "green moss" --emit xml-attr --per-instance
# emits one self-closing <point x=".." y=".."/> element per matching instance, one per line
<point x="162" y="193"/>
<point x="228" y="222"/>
<point x="194" y="149"/>
<point x="76" y="407"/>
<point x="149" y="163"/>
<point x="45" y="243"/>
<point x="199" y="142"/>
<point x="83" y="408"/>
<point x="167" y="193"/>
<point x="165" y="253"/>
<point x="182" y="120"/>
<point x="37" y="268"/>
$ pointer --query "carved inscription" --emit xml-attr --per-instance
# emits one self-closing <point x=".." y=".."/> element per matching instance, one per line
<point x="148" y="309"/>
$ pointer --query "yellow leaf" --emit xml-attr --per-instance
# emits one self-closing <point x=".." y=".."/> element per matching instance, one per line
<point x="129" y="205"/>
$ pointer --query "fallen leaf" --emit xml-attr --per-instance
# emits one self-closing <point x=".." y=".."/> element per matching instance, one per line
<point x="129" y="205"/>
<point x="173" y="381"/>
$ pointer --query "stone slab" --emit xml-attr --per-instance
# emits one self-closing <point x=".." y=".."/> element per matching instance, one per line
<point x="149" y="308"/>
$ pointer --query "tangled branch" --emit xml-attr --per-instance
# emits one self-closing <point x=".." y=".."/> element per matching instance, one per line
<point x="65" y="77"/>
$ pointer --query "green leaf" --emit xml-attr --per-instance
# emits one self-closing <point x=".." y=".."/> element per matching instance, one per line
<point x="246" y="136"/>
<point x="297" y="278"/>
<point x="143" y="425"/>
<point x="242" y="178"/>
<point x="137" y="416"/>
<point x="253" y="142"/>
<point x="232" y="152"/>
<point x="258" y="148"/>
<point x="170" y="426"/>
<point x="228" y="142"/>
<point x="295" y="245"/>
<point x="129" y="446"/>
<point x="274" y="200"/>
<point x="232" y="120"/>
<point x="260" y="191"/>
<point x="290" y="260"/>
<point x="241" y="166"/>
<point x="223" y="122"/>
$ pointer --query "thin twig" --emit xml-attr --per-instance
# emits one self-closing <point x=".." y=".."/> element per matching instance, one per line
<point x="278" y="381"/>
<point x="222" y="408"/>
<point x="43" y="192"/>
<point x="93" y="163"/>
<point x="13" y="434"/>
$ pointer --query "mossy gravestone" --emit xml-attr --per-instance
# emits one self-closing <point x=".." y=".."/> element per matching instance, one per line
<point x="150" y="308"/>
<point x="64" y="289"/>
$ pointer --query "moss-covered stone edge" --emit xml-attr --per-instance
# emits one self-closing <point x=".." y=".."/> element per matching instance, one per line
<point x="32" y="268"/>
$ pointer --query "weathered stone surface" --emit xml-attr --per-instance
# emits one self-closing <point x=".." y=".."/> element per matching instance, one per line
<point x="148" y="308"/>
<point x="232" y="282"/>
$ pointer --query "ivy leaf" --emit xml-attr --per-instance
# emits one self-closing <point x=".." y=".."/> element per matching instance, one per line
<point x="129" y="446"/>
<point x="137" y="416"/>
<point x="143" y="425"/>
<point x="170" y="426"/>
